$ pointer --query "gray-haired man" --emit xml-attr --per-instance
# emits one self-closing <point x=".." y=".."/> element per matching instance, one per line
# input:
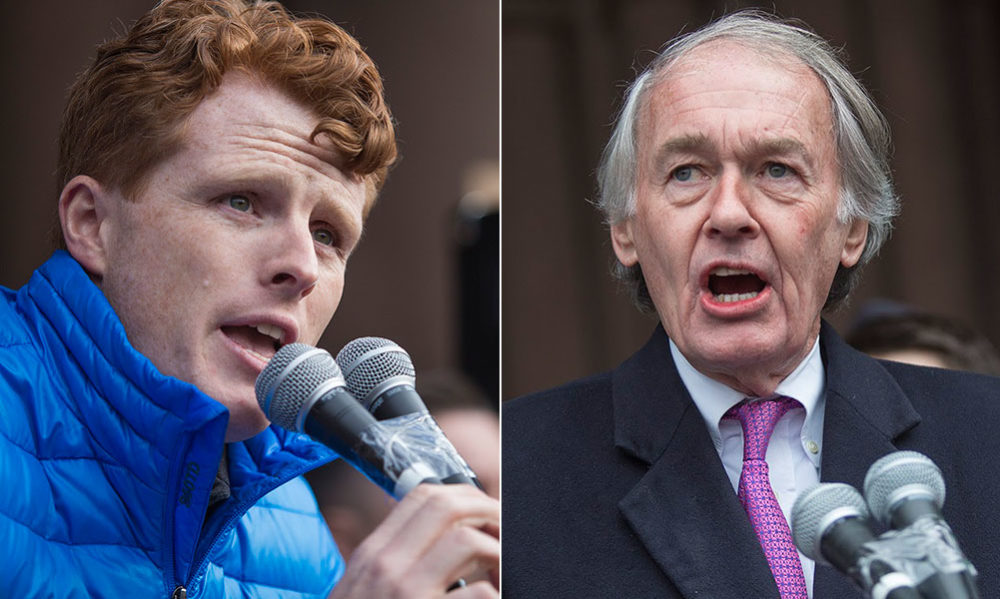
<point x="744" y="184"/>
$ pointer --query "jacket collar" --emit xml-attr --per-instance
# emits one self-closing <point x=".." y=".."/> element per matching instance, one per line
<point x="686" y="485"/>
<point x="164" y="431"/>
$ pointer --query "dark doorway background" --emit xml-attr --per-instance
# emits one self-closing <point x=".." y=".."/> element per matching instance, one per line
<point x="440" y="63"/>
<point x="931" y="66"/>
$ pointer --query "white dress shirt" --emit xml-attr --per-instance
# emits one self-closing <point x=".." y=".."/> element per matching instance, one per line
<point x="793" y="453"/>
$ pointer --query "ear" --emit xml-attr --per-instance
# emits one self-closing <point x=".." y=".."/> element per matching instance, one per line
<point x="83" y="208"/>
<point x="854" y="245"/>
<point x="623" y="242"/>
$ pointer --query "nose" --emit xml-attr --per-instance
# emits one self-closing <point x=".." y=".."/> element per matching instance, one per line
<point x="292" y="267"/>
<point x="729" y="215"/>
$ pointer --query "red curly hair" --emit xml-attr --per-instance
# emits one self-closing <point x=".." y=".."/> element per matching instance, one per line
<point x="126" y="112"/>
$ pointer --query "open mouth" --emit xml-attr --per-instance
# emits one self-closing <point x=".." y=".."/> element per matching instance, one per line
<point x="262" y="340"/>
<point x="730" y="285"/>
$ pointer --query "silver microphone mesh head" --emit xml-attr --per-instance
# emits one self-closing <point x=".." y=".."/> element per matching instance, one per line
<point x="901" y="474"/>
<point x="288" y="381"/>
<point x="368" y="361"/>
<point x="817" y="508"/>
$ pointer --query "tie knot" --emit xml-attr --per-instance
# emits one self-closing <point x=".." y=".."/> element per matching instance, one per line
<point x="758" y="419"/>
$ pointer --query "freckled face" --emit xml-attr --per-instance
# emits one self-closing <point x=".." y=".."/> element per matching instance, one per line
<point x="236" y="244"/>
<point x="735" y="223"/>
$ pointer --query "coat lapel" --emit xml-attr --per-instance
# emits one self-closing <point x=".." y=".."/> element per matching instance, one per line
<point x="685" y="487"/>
<point x="866" y="412"/>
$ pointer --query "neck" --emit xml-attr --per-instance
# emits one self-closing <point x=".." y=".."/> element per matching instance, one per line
<point x="760" y="378"/>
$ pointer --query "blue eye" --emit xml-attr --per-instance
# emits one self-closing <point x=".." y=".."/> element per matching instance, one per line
<point x="239" y="203"/>
<point x="323" y="236"/>
<point x="683" y="173"/>
<point x="777" y="170"/>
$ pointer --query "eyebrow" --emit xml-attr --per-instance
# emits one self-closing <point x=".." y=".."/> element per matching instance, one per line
<point x="782" y="146"/>
<point x="700" y="145"/>
<point x="697" y="144"/>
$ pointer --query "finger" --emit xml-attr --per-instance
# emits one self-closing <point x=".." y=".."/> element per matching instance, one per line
<point x="459" y="552"/>
<point x="491" y="528"/>
<point x="426" y="512"/>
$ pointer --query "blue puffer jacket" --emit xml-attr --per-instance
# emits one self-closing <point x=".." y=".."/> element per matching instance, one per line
<point x="106" y="467"/>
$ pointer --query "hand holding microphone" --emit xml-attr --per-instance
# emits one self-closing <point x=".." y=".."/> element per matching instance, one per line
<point x="438" y="533"/>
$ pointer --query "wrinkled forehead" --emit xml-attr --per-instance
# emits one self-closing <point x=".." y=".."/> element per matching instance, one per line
<point x="719" y="73"/>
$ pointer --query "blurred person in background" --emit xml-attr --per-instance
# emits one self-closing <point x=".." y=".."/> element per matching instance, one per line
<point x="895" y="332"/>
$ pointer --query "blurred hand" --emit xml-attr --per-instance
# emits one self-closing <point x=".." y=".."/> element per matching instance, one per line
<point x="435" y="536"/>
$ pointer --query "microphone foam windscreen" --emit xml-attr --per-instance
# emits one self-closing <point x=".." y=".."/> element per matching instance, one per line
<point x="896" y="471"/>
<point x="817" y="508"/>
<point x="281" y="394"/>
<point x="368" y="361"/>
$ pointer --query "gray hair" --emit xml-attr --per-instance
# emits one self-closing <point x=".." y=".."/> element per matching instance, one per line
<point x="861" y="135"/>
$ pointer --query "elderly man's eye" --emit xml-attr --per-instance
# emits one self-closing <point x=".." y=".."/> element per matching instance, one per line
<point x="323" y="236"/>
<point x="240" y="203"/>
<point x="777" y="171"/>
<point x="683" y="173"/>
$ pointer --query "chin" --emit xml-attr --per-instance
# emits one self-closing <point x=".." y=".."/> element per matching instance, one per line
<point x="245" y="417"/>
<point x="241" y="429"/>
<point x="734" y="352"/>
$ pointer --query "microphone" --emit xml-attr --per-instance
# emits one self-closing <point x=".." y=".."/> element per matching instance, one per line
<point x="905" y="490"/>
<point x="302" y="389"/>
<point x="380" y="374"/>
<point x="830" y="526"/>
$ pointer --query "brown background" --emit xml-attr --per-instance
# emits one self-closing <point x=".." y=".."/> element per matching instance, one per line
<point x="440" y="62"/>
<point x="932" y="67"/>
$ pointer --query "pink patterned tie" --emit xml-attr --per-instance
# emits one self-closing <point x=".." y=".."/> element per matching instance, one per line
<point x="758" y="419"/>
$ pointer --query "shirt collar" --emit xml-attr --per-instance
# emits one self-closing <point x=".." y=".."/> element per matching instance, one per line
<point x="714" y="399"/>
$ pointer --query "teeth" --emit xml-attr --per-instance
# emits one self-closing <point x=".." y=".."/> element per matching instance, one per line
<point x="258" y="355"/>
<point x="724" y="271"/>
<point x="270" y="330"/>
<point x="734" y="297"/>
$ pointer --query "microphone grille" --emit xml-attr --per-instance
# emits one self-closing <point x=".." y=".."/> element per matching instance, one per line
<point x="367" y="361"/>
<point x="817" y="508"/>
<point x="282" y="393"/>
<point x="897" y="470"/>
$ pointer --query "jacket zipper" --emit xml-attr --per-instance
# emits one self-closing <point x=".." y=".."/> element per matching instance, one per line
<point x="180" y="592"/>
<point x="231" y="521"/>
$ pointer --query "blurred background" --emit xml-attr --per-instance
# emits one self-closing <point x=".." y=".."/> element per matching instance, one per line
<point x="932" y="67"/>
<point x="426" y="273"/>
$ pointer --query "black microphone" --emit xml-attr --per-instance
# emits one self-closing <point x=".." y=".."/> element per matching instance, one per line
<point x="830" y="526"/>
<point x="380" y="374"/>
<point x="302" y="390"/>
<point x="905" y="491"/>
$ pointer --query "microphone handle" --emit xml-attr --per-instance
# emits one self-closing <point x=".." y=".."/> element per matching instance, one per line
<point x="459" y="479"/>
<point x="942" y="585"/>
<point x="399" y="399"/>
<point x="909" y="511"/>
<point x="889" y="584"/>
<point x="844" y="547"/>
<point x="403" y="400"/>
<point x="338" y="421"/>
<point x="949" y="585"/>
